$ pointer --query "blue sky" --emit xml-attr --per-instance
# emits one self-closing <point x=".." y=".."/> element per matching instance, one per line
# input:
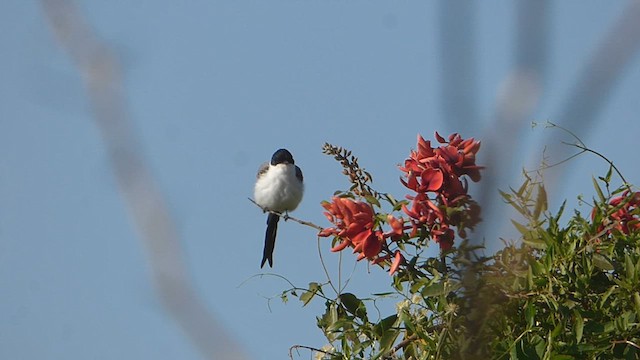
<point x="213" y="88"/>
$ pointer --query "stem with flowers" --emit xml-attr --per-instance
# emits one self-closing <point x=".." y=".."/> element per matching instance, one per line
<point x="438" y="202"/>
<point x="394" y="235"/>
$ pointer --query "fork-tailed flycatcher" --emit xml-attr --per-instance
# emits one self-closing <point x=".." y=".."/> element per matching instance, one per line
<point x="279" y="188"/>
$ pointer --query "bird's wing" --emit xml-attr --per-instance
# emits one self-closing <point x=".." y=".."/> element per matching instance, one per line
<point x="263" y="169"/>
<point x="299" y="173"/>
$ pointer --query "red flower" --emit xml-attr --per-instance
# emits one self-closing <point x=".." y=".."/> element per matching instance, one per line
<point x="444" y="237"/>
<point x="430" y="180"/>
<point x="397" y="260"/>
<point x="439" y="171"/>
<point x="423" y="210"/>
<point x="368" y="244"/>
<point x="625" y="218"/>
<point x="354" y="221"/>
<point x="397" y="228"/>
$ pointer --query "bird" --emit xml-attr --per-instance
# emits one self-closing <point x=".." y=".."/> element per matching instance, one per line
<point x="279" y="187"/>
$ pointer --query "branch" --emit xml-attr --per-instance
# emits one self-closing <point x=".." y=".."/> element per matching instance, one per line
<point x="404" y="343"/>
<point x="518" y="98"/>
<point x="287" y="217"/>
<point x="586" y="149"/>
<point x="625" y="342"/>
<point x="583" y="147"/>
<point x="100" y="70"/>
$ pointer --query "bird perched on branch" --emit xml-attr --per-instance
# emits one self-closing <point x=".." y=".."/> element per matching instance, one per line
<point x="278" y="188"/>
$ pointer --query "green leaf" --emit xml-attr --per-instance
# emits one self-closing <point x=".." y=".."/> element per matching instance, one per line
<point x="541" y="202"/>
<point x="530" y="314"/>
<point x="505" y="196"/>
<point x="578" y="325"/>
<point x="536" y="267"/>
<point x="513" y="352"/>
<point x="433" y="289"/>
<point x="557" y="330"/>
<point x="328" y="319"/>
<point x="598" y="190"/>
<point x="386" y="333"/>
<point x="560" y="211"/>
<point x="385" y="324"/>
<point x="630" y="268"/>
<point x="530" y="284"/>
<point x="539" y="345"/>
<point x="390" y="199"/>
<point x="523" y="187"/>
<point x="601" y="262"/>
<point x="609" y="327"/>
<point x="306" y="297"/>
<point x="399" y="204"/>
<point x="387" y="340"/>
<point x="607" y="178"/>
<point x="407" y="320"/>
<point x="606" y="295"/>
<point x="341" y="324"/>
<point x="353" y="305"/>
<point x="534" y="242"/>
<point x="521" y="228"/>
<point x="372" y="200"/>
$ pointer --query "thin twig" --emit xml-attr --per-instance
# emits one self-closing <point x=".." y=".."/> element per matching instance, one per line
<point x="583" y="147"/>
<point x="286" y="217"/>
<point x="293" y="287"/>
<point x="340" y="272"/>
<point x="324" y="267"/>
<point x="625" y="342"/>
<point x="353" y="270"/>
<point x="615" y="168"/>
<point x="295" y="347"/>
<point x="267" y="274"/>
<point x="402" y="344"/>
<point x="598" y="78"/>
<point x="545" y="167"/>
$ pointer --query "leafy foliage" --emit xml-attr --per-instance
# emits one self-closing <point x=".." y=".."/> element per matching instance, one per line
<point x="566" y="289"/>
<point x="569" y="291"/>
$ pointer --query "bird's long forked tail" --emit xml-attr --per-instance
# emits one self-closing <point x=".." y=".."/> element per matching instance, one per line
<point x="270" y="239"/>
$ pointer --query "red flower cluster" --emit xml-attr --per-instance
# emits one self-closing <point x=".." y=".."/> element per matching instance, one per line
<point x="626" y="218"/>
<point x="354" y="222"/>
<point x="440" y="202"/>
<point x="439" y="171"/>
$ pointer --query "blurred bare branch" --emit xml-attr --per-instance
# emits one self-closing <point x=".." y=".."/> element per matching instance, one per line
<point x="517" y="100"/>
<point x="595" y="84"/>
<point x="458" y="71"/>
<point x="102" y="75"/>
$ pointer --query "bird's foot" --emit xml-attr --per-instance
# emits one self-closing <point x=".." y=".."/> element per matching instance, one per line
<point x="285" y="216"/>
